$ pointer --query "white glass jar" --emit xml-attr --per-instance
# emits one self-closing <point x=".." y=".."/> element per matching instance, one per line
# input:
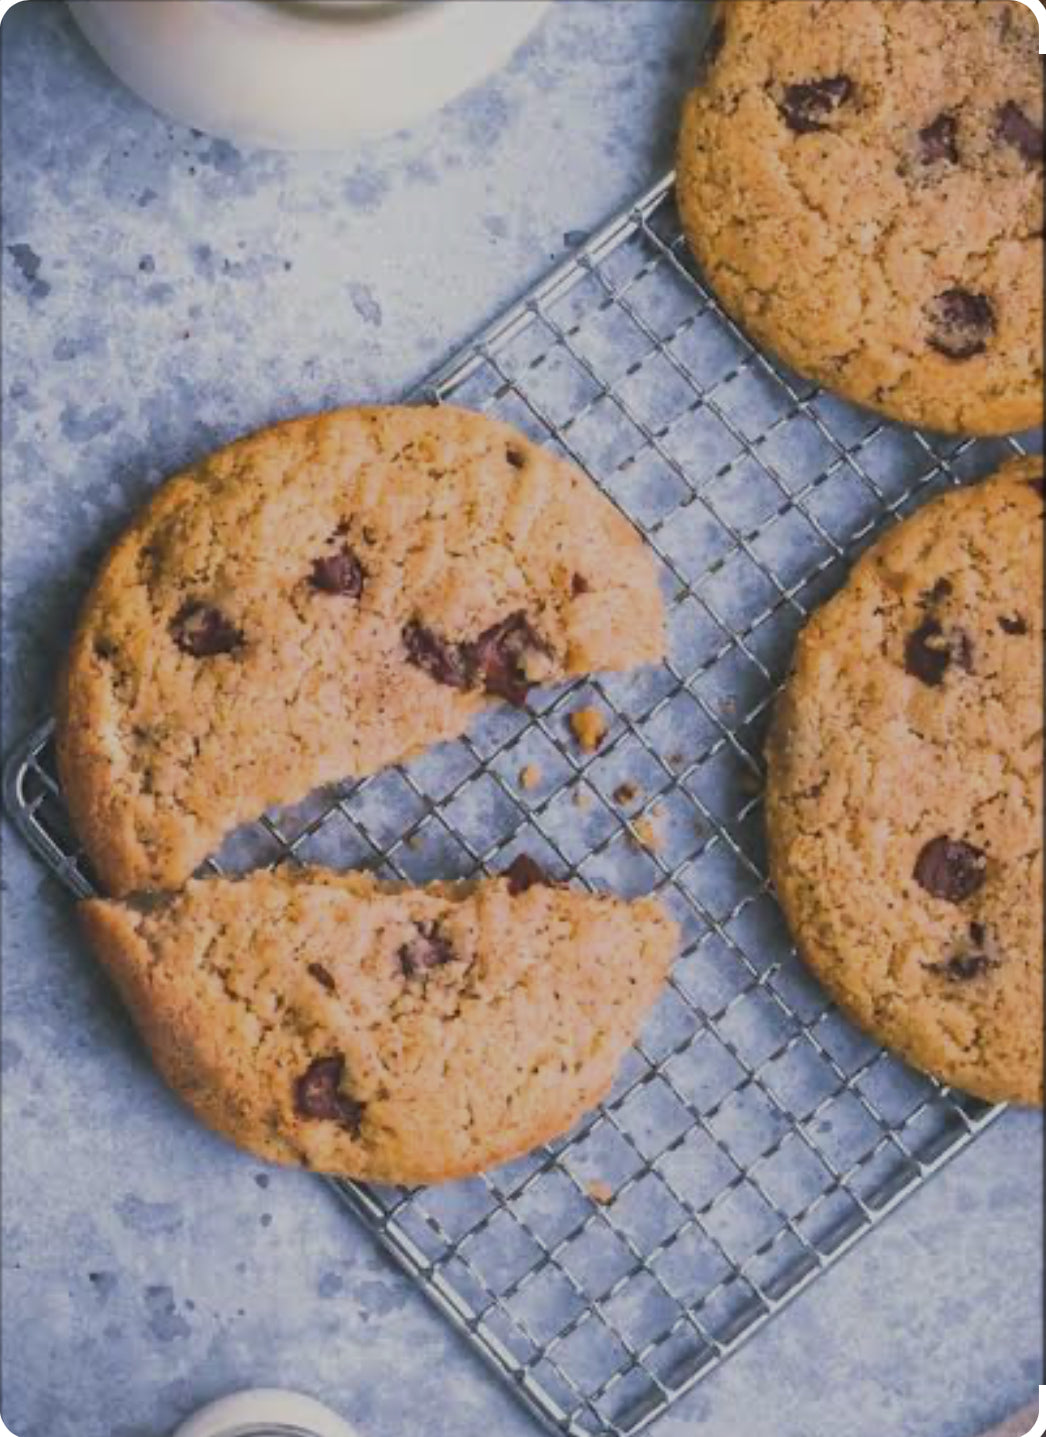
<point x="301" y="74"/>
<point x="265" y="1412"/>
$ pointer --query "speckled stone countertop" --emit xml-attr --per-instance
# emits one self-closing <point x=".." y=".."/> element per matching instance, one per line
<point x="162" y="292"/>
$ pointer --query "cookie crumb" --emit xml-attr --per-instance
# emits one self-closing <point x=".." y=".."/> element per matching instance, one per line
<point x="600" y="1192"/>
<point x="413" y="842"/>
<point x="582" y="798"/>
<point x="529" y="776"/>
<point x="646" y="834"/>
<point x="626" y="792"/>
<point x="589" y="728"/>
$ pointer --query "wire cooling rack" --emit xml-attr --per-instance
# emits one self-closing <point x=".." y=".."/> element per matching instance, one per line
<point x="753" y="1136"/>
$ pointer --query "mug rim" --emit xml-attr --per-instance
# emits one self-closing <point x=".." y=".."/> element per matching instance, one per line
<point x="266" y="1429"/>
<point x="343" y="16"/>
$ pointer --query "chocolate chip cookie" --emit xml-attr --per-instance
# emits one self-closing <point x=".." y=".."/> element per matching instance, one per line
<point x="319" y="600"/>
<point x="904" y="798"/>
<point x="398" y="1036"/>
<point x="862" y="183"/>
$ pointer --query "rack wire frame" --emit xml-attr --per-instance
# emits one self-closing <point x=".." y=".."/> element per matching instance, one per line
<point x="752" y="1137"/>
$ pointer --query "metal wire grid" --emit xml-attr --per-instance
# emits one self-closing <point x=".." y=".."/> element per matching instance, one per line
<point x="752" y="1136"/>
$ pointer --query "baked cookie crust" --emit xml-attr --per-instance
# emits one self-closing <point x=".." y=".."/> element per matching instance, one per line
<point x="322" y="599"/>
<point x="862" y="183"/>
<point x="904" y="796"/>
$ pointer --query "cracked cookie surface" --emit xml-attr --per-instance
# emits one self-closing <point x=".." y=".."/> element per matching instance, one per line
<point x="862" y="183"/>
<point x="319" y="600"/>
<point x="904" y="795"/>
<point x="392" y="1035"/>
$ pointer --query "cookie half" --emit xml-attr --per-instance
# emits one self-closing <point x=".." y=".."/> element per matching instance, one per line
<point x="398" y="1036"/>
<point x="320" y="600"/>
<point x="862" y="183"/>
<point x="904" y="797"/>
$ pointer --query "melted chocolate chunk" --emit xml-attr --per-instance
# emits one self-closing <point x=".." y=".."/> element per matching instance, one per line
<point x="1016" y="625"/>
<point x="950" y="869"/>
<point x="961" y="323"/>
<point x="978" y="933"/>
<point x="929" y="652"/>
<point x="203" y="631"/>
<point x="317" y="1094"/>
<point x="340" y="573"/>
<point x="445" y="662"/>
<point x="939" y="141"/>
<point x="323" y="978"/>
<point x="499" y="656"/>
<point x="713" y="46"/>
<point x="495" y="662"/>
<point x="516" y="457"/>
<point x="525" y="872"/>
<point x="809" y="106"/>
<point x="430" y="948"/>
<point x="926" y="656"/>
<point x="579" y="585"/>
<point x="940" y="590"/>
<point x="1035" y="483"/>
<point x="964" y="966"/>
<point x="1013" y="127"/>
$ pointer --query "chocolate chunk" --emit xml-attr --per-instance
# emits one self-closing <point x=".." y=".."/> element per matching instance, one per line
<point x="516" y="457"/>
<point x="322" y="976"/>
<point x="525" y="872"/>
<point x="925" y="657"/>
<point x="950" y="868"/>
<point x="713" y="46"/>
<point x="340" y="573"/>
<point x="964" y="966"/>
<point x="940" y="590"/>
<point x="1016" y="625"/>
<point x="978" y="933"/>
<point x="445" y="662"/>
<point x="430" y="948"/>
<point x="929" y="652"/>
<point x="1013" y="127"/>
<point x="203" y="631"/>
<point x="317" y="1094"/>
<point x="809" y="106"/>
<point x="961" y="323"/>
<point x="499" y="656"/>
<point x="939" y="140"/>
<point x="1036" y="483"/>
<point x="579" y="585"/>
<point x="495" y="661"/>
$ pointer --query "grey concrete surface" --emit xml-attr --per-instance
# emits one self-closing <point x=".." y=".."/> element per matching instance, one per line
<point x="162" y="292"/>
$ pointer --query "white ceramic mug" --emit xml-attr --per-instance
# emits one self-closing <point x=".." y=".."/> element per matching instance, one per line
<point x="265" y="1412"/>
<point x="300" y="74"/>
